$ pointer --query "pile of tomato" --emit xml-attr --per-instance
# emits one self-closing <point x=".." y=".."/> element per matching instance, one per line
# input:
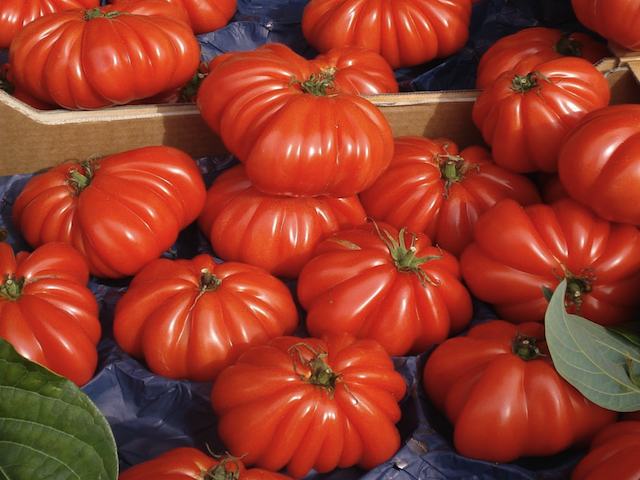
<point x="388" y="239"/>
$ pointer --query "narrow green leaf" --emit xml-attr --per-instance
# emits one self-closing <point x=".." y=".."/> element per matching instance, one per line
<point x="591" y="358"/>
<point x="49" y="429"/>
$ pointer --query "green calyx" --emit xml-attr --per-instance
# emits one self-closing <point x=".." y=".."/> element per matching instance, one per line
<point x="80" y="178"/>
<point x="11" y="288"/>
<point x="577" y="287"/>
<point x="526" y="347"/>
<point x="208" y="281"/>
<point x="568" y="46"/>
<point x="221" y="472"/>
<point x="98" y="13"/>
<point x="524" y="83"/>
<point x="316" y="370"/>
<point x="318" y="84"/>
<point x="453" y="169"/>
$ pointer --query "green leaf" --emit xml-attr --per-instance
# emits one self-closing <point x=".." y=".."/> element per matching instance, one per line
<point x="597" y="362"/>
<point x="630" y="331"/>
<point x="49" y="429"/>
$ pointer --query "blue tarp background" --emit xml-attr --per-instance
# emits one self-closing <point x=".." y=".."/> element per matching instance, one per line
<point x="150" y="414"/>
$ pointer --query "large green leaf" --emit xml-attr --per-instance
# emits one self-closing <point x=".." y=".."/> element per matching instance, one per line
<point x="49" y="429"/>
<point x="601" y="364"/>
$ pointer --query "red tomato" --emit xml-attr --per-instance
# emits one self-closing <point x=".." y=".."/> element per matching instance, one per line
<point x="404" y="32"/>
<point x="376" y="283"/>
<point x="203" y="15"/>
<point x="46" y="310"/>
<point x="615" y="20"/>
<point x="119" y="211"/>
<point x="296" y="128"/>
<point x="308" y="403"/>
<point x="86" y="59"/>
<point x="6" y="84"/>
<point x="188" y="463"/>
<point x="15" y="14"/>
<point x="498" y="387"/>
<point x="191" y="318"/>
<point x="430" y="187"/>
<point x="272" y="232"/>
<point x="525" y="117"/>
<point x="599" y="163"/>
<point x="550" y="188"/>
<point x="518" y="252"/>
<point x="523" y="51"/>
<point x="613" y="454"/>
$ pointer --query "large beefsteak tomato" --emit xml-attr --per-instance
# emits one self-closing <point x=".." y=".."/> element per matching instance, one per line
<point x="46" y="310"/>
<point x="309" y="403"/>
<point x="15" y="14"/>
<point x="191" y="318"/>
<point x="523" y="51"/>
<point x="298" y="127"/>
<point x="87" y="59"/>
<point x="599" y="163"/>
<point x="187" y="463"/>
<point x="525" y="117"/>
<point x="430" y="187"/>
<point x="119" y="211"/>
<point x="519" y="253"/>
<point x="616" y="20"/>
<point x="393" y="287"/>
<point x="273" y="232"/>
<point x="404" y="32"/>
<point x="498" y="387"/>
<point x="613" y="454"/>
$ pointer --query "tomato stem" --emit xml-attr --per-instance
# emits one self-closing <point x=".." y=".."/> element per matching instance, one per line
<point x="524" y="83"/>
<point x="11" y="288"/>
<point x="80" y="178"/>
<point x="453" y="169"/>
<point x="318" y="372"/>
<point x="576" y="288"/>
<point x="318" y="83"/>
<point x="220" y="471"/>
<point x="569" y="47"/>
<point x="526" y="347"/>
<point x="208" y="281"/>
<point x="97" y="12"/>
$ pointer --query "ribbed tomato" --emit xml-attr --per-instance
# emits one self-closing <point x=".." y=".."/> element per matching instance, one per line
<point x="518" y="253"/>
<point x="299" y="128"/>
<point x="119" y="211"/>
<point x="599" y="163"/>
<point x="523" y="51"/>
<point x="377" y="283"/>
<point x="404" y="32"/>
<point x="191" y="318"/>
<point x="432" y="188"/>
<point x="613" y="454"/>
<point x="188" y="463"/>
<point x="273" y="232"/>
<point x="525" y="117"/>
<point x="306" y="403"/>
<point x="15" y="14"/>
<point x="46" y="310"/>
<point x="615" y="20"/>
<point x="204" y="15"/>
<point x="87" y="59"/>
<point x="498" y="387"/>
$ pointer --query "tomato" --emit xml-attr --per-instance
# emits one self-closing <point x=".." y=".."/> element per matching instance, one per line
<point x="550" y="188"/>
<point x="309" y="403"/>
<point x="187" y="463"/>
<point x="191" y="318"/>
<point x="615" y="20"/>
<point x="613" y="454"/>
<point x="523" y="51"/>
<point x="599" y="163"/>
<point x="203" y="15"/>
<point x="525" y="117"/>
<point x="15" y="14"/>
<point x="404" y="32"/>
<point x="498" y="387"/>
<point x="46" y="310"/>
<point x="393" y="287"/>
<point x="296" y="128"/>
<point x="87" y="59"/>
<point x="7" y="85"/>
<point x="520" y="252"/>
<point x="120" y="211"/>
<point x="273" y="232"/>
<point x="430" y="187"/>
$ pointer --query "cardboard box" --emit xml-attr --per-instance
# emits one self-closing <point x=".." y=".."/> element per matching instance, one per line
<point x="31" y="139"/>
